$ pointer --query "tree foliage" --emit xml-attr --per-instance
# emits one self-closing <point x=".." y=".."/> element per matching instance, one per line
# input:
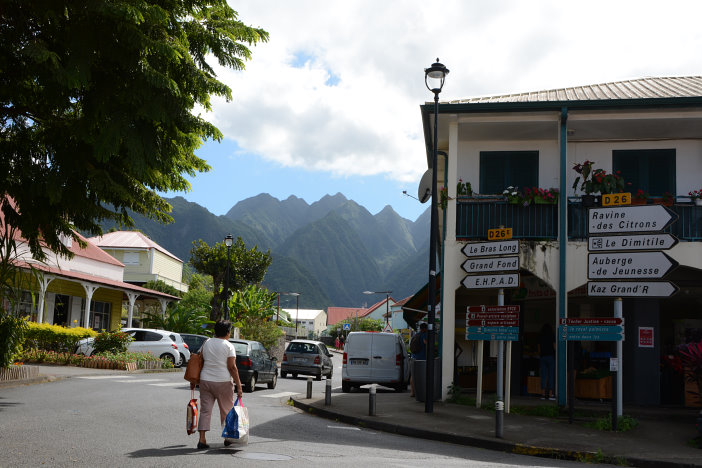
<point x="190" y="315"/>
<point x="251" y="309"/>
<point x="97" y="107"/>
<point x="161" y="286"/>
<point x="246" y="266"/>
<point x="361" y="324"/>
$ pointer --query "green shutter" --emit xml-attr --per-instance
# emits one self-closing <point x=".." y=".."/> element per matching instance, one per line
<point x="501" y="169"/>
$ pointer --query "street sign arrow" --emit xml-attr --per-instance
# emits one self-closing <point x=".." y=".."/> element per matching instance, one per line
<point x="509" y="280"/>
<point x="629" y="265"/>
<point x="485" y="249"/>
<point x="495" y="309"/>
<point x="660" y="241"/>
<point x="645" y="218"/>
<point x="631" y="288"/>
<point x="480" y="265"/>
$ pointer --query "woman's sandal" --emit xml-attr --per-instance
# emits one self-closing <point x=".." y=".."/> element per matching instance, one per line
<point x="201" y="446"/>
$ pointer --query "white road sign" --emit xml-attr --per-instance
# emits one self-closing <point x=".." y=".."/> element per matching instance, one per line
<point x="661" y="241"/>
<point x="631" y="288"/>
<point x="485" y="249"/>
<point x="485" y="265"/>
<point x="629" y="265"/>
<point x="508" y="280"/>
<point x="645" y="218"/>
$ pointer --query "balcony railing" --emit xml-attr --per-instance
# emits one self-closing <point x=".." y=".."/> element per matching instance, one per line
<point x="474" y="216"/>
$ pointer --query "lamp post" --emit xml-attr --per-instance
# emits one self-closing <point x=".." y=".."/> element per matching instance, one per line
<point x="387" y="302"/>
<point x="228" y="241"/>
<point x="297" y="309"/>
<point x="281" y="293"/>
<point x="434" y="77"/>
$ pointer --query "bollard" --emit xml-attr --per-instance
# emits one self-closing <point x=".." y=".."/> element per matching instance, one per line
<point x="371" y="401"/>
<point x="309" y="387"/>
<point x="327" y="393"/>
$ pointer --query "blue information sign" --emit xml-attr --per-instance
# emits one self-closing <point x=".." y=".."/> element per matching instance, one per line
<point x="493" y="336"/>
<point x="570" y="329"/>
<point x="592" y="337"/>
<point x="510" y="330"/>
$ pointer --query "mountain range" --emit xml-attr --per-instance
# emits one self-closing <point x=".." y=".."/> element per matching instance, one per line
<point x="329" y="251"/>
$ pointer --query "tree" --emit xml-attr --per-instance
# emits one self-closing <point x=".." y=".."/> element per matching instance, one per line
<point x="161" y="286"/>
<point x="97" y="107"/>
<point x="362" y="324"/>
<point x="245" y="267"/>
<point x="252" y="308"/>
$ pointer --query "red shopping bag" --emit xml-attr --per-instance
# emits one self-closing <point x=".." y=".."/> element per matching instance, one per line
<point x="191" y="414"/>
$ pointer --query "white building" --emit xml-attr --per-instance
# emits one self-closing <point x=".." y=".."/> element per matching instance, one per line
<point x="314" y="320"/>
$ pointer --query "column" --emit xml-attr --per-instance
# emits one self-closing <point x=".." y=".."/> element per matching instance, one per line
<point x="89" y="291"/>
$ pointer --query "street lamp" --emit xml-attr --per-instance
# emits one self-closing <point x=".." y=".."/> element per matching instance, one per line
<point x="281" y="293"/>
<point x="297" y="309"/>
<point x="434" y="77"/>
<point x="228" y="241"/>
<point x="387" y="302"/>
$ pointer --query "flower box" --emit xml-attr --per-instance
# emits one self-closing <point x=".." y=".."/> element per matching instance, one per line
<point x="534" y="385"/>
<point x="596" y="389"/>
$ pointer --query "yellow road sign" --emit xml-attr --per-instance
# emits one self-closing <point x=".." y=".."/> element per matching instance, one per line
<point x="613" y="199"/>
<point x="500" y="234"/>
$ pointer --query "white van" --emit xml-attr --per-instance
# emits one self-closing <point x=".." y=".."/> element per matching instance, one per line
<point x="375" y="358"/>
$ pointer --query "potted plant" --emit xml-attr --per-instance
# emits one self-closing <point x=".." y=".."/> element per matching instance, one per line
<point x="513" y="196"/>
<point x="667" y="199"/>
<point x="463" y="189"/>
<point x="639" y="198"/>
<point x="539" y="196"/>
<point x="443" y="197"/>
<point x="691" y="357"/>
<point x="596" y="181"/>
<point x="696" y="197"/>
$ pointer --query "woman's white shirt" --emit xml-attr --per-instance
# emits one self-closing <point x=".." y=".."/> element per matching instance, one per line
<point x="215" y="352"/>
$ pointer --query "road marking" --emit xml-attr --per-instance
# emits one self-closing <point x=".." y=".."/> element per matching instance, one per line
<point x="280" y="395"/>
<point x="170" y="384"/>
<point x="139" y="381"/>
<point x="98" y="377"/>
<point x="344" y="427"/>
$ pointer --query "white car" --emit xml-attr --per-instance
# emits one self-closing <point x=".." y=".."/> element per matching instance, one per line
<point x="161" y="343"/>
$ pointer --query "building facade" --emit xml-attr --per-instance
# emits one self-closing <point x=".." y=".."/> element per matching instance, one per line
<point x="646" y="131"/>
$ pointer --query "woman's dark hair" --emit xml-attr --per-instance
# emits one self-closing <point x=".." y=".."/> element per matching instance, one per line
<point x="222" y="328"/>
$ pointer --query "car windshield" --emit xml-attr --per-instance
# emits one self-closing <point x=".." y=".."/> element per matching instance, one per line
<point x="241" y="348"/>
<point x="302" y="348"/>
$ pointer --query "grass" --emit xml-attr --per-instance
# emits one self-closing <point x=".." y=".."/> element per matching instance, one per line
<point x="695" y="443"/>
<point x="624" y="423"/>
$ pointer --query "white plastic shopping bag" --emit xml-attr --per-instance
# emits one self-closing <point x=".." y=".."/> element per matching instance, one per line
<point x="236" y="425"/>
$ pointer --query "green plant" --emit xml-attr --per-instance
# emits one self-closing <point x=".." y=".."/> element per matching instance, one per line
<point x="55" y="337"/>
<point x="640" y="195"/>
<point x="668" y="197"/>
<point x="463" y="188"/>
<point x="535" y="194"/>
<point x="454" y="393"/>
<point x="624" y="423"/>
<point x="695" y="194"/>
<point x="443" y="197"/>
<point x="114" y="342"/>
<point x="12" y="330"/>
<point x="691" y="357"/>
<point x="597" y="180"/>
<point x="513" y="195"/>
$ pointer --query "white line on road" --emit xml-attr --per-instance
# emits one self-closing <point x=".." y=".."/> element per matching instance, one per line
<point x="344" y="427"/>
<point x="97" y="377"/>
<point x="280" y="395"/>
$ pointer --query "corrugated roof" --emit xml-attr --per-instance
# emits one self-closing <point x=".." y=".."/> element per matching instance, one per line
<point x="128" y="239"/>
<point x="643" y="88"/>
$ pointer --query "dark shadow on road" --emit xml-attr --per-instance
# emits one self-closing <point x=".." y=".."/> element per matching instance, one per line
<point x="180" y="450"/>
<point x="8" y="404"/>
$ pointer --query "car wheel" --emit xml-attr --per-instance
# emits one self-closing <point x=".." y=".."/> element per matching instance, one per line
<point x="318" y="377"/>
<point x="182" y="360"/>
<point x="170" y="357"/>
<point x="345" y="387"/>
<point x="294" y="376"/>
<point x="251" y="386"/>
<point x="283" y="374"/>
<point x="272" y="383"/>
<point x="331" y="372"/>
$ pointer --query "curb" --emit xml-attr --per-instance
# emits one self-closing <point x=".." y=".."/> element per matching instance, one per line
<point x="489" y="444"/>
<point x="46" y="378"/>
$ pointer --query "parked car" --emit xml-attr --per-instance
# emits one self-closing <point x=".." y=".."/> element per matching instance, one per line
<point x="308" y="358"/>
<point x="255" y="364"/>
<point x="160" y="343"/>
<point x="183" y="348"/>
<point x="374" y="358"/>
<point x="194" y="342"/>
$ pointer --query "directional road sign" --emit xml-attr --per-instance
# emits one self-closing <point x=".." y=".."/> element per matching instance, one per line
<point x="580" y="329"/>
<point x="660" y="241"/>
<point x="509" y="330"/>
<point x="592" y="337"/>
<point x="592" y="321"/>
<point x="492" y="336"/>
<point x="629" y="265"/>
<point x="495" y="309"/>
<point x="644" y="218"/>
<point x="486" y="265"/>
<point x="631" y="288"/>
<point x="508" y="280"/>
<point x="492" y="323"/>
<point x="485" y="249"/>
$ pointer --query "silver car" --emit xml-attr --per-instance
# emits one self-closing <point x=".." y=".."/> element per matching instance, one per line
<point x="307" y="357"/>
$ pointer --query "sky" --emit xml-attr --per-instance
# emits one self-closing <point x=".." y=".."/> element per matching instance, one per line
<point x="331" y="102"/>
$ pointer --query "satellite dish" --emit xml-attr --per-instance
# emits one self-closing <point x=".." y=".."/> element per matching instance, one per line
<point x="424" y="191"/>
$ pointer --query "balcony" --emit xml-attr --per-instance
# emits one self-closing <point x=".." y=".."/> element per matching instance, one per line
<point x="474" y="216"/>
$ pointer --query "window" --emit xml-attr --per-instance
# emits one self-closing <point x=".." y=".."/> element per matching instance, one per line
<point x="652" y="171"/>
<point x="130" y="258"/>
<point x="501" y="169"/>
<point x="100" y="315"/>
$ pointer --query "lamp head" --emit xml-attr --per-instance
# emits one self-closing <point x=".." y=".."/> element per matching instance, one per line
<point x="229" y="240"/>
<point x="434" y="76"/>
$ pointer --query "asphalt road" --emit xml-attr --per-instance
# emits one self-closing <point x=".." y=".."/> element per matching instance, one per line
<point x="139" y="420"/>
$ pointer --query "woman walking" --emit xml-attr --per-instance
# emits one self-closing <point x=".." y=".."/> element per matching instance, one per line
<point x="217" y="379"/>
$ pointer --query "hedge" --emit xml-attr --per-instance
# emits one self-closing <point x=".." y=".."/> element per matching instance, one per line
<point x="55" y="337"/>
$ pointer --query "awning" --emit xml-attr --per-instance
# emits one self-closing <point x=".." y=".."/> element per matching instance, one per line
<point x="416" y="308"/>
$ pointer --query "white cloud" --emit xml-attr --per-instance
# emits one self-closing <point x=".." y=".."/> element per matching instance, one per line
<point x="368" y="121"/>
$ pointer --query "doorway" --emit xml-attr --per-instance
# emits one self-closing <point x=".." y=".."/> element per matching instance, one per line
<point x="61" y="310"/>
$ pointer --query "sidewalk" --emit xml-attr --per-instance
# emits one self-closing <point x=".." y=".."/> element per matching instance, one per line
<point x="48" y="373"/>
<point x="660" y="440"/>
